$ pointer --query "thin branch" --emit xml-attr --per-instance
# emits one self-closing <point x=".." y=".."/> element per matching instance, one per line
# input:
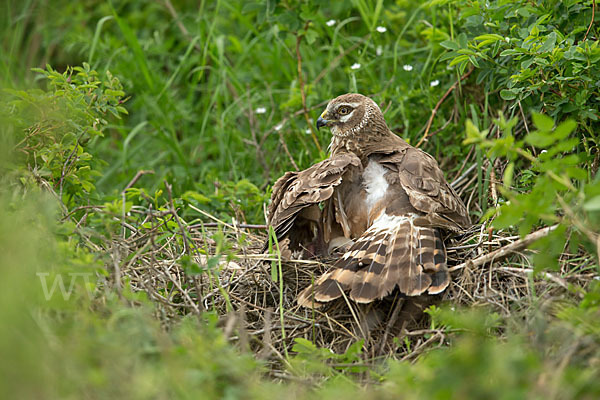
<point x="239" y="226"/>
<point x="506" y="250"/>
<point x="287" y="151"/>
<point x="334" y="63"/>
<point x="439" y="103"/>
<point x="186" y="245"/>
<point x="73" y="211"/>
<point x="124" y="194"/>
<point x="592" y="21"/>
<point x="136" y="178"/>
<point x="179" y="24"/>
<point x="67" y="165"/>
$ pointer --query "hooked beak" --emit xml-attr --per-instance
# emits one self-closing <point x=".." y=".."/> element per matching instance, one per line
<point x="321" y="122"/>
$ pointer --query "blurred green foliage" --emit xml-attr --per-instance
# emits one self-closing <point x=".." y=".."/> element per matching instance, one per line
<point x="207" y="95"/>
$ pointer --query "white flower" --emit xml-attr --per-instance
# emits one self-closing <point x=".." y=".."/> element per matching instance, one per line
<point x="381" y="29"/>
<point x="434" y="83"/>
<point x="355" y="66"/>
<point x="407" y="67"/>
<point x="260" y="110"/>
<point x="331" y="22"/>
<point x="308" y="131"/>
<point x="379" y="50"/>
<point x="278" y="127"/>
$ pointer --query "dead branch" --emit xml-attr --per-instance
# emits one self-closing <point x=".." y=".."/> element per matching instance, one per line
<point x="506" y="250"/>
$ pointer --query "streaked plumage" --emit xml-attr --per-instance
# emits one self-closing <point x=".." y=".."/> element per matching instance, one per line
<point x="377" y="201"/>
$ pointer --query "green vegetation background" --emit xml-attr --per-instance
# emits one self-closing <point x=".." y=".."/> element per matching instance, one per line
<point x="218" y="98"/>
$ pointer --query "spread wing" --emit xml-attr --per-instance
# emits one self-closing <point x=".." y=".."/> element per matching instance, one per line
<point x="294" y="207"/>
<point x="427" y="189"/>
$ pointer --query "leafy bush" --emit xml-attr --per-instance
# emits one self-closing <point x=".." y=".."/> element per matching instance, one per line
<point x="217" y="102"/>
<point x="50" y="130"/>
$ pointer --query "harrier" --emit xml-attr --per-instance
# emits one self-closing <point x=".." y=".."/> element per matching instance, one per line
<point x="377" y="202"/>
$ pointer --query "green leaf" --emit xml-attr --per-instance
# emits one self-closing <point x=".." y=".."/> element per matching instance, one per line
<point x="539" y="139"/>
<point x="473" y="133"/>
<point x="303" y="346"/>
<point x="459" y="59"/>
<point x="550" y="247"/>
<point x="565" y="129"/>
<point x="508" y="175"/>
<point x="489" y="38"/>
<point x="507" y="94"/>
<point x="548" y="44"/>
<point x="542" y="122"/>
<point x="510" y="52"/>
<point x="311" y="36"/>
<point x="593" y="204"/>
<point x="450" y="44"/>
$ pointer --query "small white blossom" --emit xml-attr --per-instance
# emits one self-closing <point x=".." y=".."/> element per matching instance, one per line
<point x="308" y="131"/>
<point x="355" y="66"/>
<point x="260" y="110"/>
<point x="381" y="29"/>
<point x="278" y="127"/>
<point x="407" y="67"/>
<point x="331" y="22"/>
<point x="434" y="83"/>
<point x="379" y="50"/>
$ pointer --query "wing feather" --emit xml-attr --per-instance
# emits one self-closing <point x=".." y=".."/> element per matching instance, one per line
<point x="427" y="189"/>
<point x="295" y="192"/>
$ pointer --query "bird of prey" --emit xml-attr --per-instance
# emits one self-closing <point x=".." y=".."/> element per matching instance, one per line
<point x="377" y="202"/>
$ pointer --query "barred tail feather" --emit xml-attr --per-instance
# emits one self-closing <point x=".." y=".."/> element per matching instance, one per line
<point x="333" y="283"/>
<point x="396" y="251"/>
<point x="440" y="277"/>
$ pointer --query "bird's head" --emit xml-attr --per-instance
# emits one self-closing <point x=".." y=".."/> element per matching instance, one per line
<point x="349" y="114"/>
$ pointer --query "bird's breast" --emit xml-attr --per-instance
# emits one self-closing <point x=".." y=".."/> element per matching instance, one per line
<point x="365" y="195"/>
<point x="374" y="183"/>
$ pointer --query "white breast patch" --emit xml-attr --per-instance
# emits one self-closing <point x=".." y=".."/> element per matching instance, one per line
<point x="375" y="183"/>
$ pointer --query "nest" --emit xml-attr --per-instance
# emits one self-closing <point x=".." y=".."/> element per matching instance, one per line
<point x="217" y="267"/>
<point x="194" y="268"/>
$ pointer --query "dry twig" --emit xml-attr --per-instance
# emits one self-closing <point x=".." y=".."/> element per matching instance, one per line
<point x="506" y="250"/>
<point x="439" y="103"/>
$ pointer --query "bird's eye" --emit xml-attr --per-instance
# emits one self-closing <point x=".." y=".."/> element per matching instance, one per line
<point x="344" y="110"/>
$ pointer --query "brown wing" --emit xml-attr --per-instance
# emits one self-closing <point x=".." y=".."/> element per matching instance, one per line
<point x="427" y="189"/>
<point x="296" y="196"/>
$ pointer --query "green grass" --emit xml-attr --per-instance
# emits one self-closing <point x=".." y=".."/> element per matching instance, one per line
<point x="194" y="77"/>
<point x="192" y="94"/>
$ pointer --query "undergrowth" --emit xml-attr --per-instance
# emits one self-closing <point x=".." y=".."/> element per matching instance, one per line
<point x="138" y="144"/>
